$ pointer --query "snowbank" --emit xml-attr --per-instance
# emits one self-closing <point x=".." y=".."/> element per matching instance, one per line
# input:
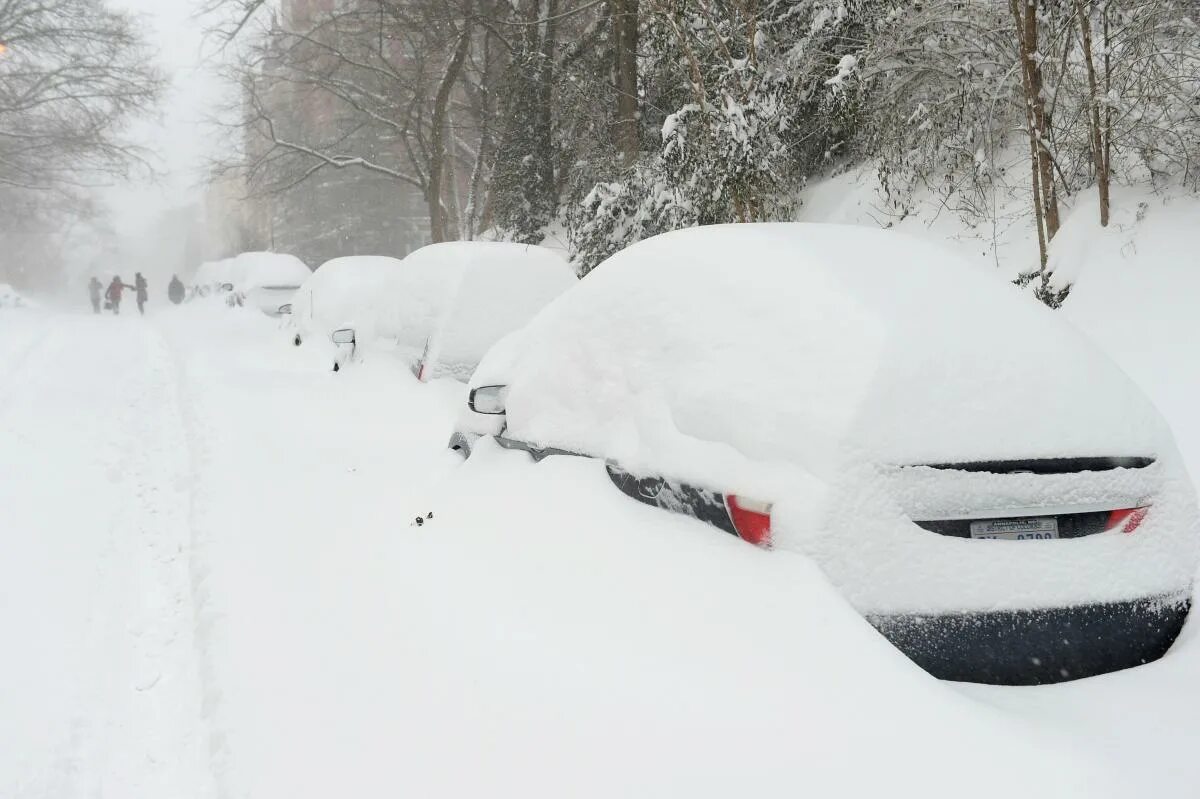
<point x="1136" y="291"/>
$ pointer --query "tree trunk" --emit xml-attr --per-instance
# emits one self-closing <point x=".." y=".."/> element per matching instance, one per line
<point x="1108" y="135"/>
<point x="625" y="41"/>
<point x="437" y="137"/>
<point x="545" y="141"/>
<point x="454" y="206"/>
<point x="1099" y="145"/>
<point x="1036" y="120"/>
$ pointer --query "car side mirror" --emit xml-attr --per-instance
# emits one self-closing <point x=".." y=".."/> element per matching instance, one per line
<point x="488" y="399"/>
<point x="344" y="335"/>
<point x="285" y="309"/>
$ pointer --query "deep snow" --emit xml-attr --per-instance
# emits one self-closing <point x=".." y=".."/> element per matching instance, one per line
<point x="215" y="588"/>
<point x="101" y="693"/>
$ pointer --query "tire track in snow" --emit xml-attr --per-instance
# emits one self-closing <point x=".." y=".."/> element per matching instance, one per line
<point x="203" y="617"/>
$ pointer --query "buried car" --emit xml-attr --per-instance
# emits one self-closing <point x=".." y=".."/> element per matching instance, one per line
<point x="983" y="485"/>
<point x="481" y="291"/>
<point x="438" y="310"/>
<point x="345" y="300"/>
<point x="264" y="280"/>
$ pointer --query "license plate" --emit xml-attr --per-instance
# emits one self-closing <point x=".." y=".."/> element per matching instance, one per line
<point x="1029" y="529"/>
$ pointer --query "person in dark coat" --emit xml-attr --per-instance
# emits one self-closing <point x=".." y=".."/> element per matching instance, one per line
<point x="175" y="290"/>
<point x="113" y="294"/>
<point x="139" y="285"/>
<point x="94" y="287"/>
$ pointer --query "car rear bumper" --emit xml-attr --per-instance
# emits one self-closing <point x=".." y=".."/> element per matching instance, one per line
<point x="1035" y="647"/>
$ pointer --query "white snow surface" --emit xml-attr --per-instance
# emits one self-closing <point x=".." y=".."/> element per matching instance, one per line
<point x="213" y="588"/>
<point x="233" y="601"/>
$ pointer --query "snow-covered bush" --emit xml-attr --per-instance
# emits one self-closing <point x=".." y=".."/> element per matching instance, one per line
<point x="751" y="101"/>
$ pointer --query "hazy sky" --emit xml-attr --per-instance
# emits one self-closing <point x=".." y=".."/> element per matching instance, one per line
<point x="181" y="137"/>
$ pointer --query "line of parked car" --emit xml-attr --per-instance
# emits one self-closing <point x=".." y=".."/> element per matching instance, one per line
<point x="990" y="491"/>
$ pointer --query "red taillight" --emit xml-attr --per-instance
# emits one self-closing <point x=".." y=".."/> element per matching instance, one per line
<point x="1127" y="519"/>
<point x="751" y="519"/>
<point x="421" y="372"/>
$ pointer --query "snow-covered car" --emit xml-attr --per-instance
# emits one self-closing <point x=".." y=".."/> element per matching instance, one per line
<point x="978" y="480"/>
<point x="490" y="289"/>
<point x="438" y="310"/>
<point x="347" y="300"/>
<point x="264" y="280"/>
<point x="10" y="297"/>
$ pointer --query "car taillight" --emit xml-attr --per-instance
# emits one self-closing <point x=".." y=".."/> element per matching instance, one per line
<point x="1126" y="519"/>
<point x="421" y="372"/>
<point x="751" y="519"/>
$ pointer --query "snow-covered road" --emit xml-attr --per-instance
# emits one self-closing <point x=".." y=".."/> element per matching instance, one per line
<point x="211" y="588"/>
<point x="103" y="693"/>
<point x="136" y="453"/>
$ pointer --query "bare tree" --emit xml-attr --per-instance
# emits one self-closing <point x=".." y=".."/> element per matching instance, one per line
<point x="72" y="75"/>
<point x="404" y="88"/>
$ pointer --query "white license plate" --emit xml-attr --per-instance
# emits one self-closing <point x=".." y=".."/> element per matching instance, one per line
<point x="1027" y="529"/>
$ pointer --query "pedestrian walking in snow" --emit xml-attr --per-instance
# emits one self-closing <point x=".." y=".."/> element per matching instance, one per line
<point x="139" y="285"/>
<point x="113" y="294"/>
<point x="175" y="290"/>
<point x="94" y="287"/>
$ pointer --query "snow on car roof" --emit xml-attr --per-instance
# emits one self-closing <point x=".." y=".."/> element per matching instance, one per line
<point x="251" y="270"/>
<point x="705" y="351"/>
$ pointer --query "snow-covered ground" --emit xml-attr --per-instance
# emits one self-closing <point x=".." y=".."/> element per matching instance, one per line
<point x="213" y="587"/>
